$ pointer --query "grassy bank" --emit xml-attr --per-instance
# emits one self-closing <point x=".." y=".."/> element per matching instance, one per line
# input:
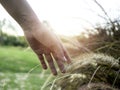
<point x="20" y="69"/>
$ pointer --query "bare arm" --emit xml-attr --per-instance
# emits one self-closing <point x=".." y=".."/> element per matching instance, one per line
<point x="21" y="12"/>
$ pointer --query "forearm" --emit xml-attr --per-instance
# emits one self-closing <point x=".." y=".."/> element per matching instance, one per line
<point x="27" y="19"/>
<point x="22" y="13"/>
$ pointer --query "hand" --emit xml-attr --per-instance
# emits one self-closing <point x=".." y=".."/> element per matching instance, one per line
<point x="46" y="44"/>
<point x="41" y="40"/>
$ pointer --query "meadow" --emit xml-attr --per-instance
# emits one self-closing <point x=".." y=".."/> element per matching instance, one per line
<point x="20" y="69"/>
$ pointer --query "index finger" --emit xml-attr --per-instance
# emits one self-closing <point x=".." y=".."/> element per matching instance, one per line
<point x="51" y="64"/>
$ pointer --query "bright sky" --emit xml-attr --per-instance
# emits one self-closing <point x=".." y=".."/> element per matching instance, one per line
<point x="70" y="17"/>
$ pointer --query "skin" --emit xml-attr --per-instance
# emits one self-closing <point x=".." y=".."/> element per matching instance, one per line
<point x="42" y="41"/>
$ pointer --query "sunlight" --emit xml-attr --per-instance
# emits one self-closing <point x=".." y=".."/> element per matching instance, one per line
<point x="61" y="19"/>
<point x="68" y="26"/>
<point x="68" y="17"/>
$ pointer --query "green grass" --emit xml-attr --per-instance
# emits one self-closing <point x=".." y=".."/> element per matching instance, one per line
<point x="20" y="69"/>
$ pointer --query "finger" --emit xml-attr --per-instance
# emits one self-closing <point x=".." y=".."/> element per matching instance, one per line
<point x="59" y="61"/>
<point x="51" y="64"/>
<point x="67" y="57"/>
<point x="41" y="58"/>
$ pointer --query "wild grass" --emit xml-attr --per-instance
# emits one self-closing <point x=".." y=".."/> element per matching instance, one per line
<point x="20" y="69"/>
<point x="89" y="72"/>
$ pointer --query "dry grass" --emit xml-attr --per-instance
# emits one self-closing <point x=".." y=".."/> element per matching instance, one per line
<point x="89" y="72"/>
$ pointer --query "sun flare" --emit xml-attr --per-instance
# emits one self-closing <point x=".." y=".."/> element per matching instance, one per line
<point x="66" y="17"/>
<point x="66" y="26"/>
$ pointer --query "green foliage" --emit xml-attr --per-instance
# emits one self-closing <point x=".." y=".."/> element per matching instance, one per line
<point x="9" y="40"/>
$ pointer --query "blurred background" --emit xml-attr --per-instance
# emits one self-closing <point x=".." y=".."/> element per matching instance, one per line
<point x="84" y="26"/>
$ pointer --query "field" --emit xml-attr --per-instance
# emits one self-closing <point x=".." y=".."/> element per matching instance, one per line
<point x="20" y="69"/>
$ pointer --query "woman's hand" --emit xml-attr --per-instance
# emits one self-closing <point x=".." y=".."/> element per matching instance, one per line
<point x="41" y="40"/>
<point x="48" y="48"/>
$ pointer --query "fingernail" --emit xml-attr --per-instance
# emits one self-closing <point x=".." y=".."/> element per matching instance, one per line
<point x="45" y="67"/>
<point x="63" y="71"/>
<point x="55" y="74"/>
